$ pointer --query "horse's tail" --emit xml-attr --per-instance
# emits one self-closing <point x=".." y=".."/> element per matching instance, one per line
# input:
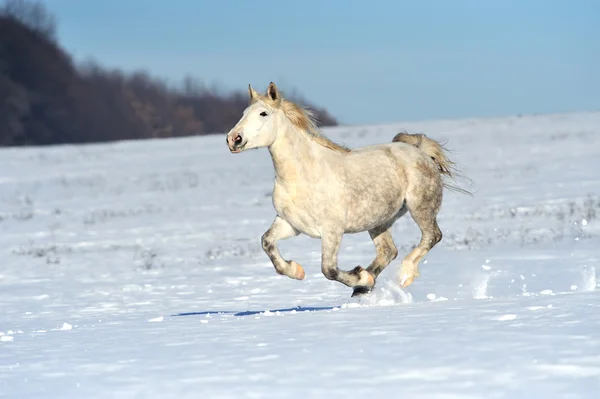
<point x="436" y="151"/>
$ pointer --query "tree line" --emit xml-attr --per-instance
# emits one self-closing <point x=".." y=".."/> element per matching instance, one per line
<point x="45" y="98"/>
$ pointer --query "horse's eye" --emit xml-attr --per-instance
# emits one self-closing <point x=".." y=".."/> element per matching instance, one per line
<point x="263" y="113"/>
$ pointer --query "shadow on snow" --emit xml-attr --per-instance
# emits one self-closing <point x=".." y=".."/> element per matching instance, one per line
<point x="255" y="312"/>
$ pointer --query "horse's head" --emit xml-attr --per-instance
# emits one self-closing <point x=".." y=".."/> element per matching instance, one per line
<point x="256" y="128"/>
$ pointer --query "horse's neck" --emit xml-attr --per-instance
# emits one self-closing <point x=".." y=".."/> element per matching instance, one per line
<point x="294" y="155"/>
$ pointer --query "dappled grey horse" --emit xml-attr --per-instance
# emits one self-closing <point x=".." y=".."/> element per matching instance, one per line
<point x="325" y="190"/>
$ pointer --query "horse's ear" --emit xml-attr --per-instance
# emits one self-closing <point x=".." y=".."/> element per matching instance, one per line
<point x="252" y="93"/>
<point x="273" y="92"/>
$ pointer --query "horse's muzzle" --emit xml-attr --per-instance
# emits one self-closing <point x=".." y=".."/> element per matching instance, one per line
<point x="235" y="142"/>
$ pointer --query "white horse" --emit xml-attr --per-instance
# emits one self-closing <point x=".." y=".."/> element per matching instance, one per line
<point x="325" y="190"/>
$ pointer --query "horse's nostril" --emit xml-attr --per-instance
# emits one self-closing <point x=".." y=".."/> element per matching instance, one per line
<point x="238" y="139"/>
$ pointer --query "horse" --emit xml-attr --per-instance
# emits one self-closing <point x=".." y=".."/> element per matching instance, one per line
<point x="325" y="190"/>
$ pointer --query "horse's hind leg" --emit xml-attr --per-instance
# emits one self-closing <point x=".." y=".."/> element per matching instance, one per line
<point x="385" y="248"/>
<point x="386" y="252"/>
<point x="357" y="278"/>
<point x="423" y="209"/>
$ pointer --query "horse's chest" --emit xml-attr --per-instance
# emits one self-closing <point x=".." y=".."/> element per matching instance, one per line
<point x="296" y="210"/>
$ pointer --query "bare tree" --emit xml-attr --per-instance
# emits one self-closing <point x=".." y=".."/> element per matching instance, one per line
<point x="47" y="98"/>
<point x="33" y="14"/>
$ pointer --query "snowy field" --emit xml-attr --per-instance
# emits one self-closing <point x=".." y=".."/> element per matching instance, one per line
<point x="134" y="270"/>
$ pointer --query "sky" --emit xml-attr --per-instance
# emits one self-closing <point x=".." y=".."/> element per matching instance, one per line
<point x="367" y="62"/>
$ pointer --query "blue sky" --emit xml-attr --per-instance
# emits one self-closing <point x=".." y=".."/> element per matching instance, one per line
<point x="365" y="61"/>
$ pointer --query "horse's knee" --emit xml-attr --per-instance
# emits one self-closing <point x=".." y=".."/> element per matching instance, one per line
<point x="267" y="242"/>
<point x="330" y="273"/>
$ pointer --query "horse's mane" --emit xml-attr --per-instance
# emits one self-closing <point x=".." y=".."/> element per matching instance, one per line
<point x="305" y="120"/>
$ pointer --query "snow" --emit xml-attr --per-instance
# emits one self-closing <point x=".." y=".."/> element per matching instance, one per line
<point x="134" y="269"/>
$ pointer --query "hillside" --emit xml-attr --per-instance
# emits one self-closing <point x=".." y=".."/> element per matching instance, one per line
<point x="46" y="99"/>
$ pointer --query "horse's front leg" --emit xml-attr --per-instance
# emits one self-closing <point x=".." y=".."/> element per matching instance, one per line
<point x="280" y="230"/>
<point x="357" y="278"/>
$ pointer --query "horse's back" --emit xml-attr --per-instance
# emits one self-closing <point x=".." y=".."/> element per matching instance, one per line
<point x="390" y="167"/>
<point x="401" y="151"/>
<point x="380" y="159"/>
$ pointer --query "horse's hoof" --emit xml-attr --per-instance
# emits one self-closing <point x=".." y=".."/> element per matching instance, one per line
<point x="360" y="290"/>
<point x="365" y="279"/>
<point x="406" y="280"/>
<point x="298" y="272"/>
<point x="406" y="275"/>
